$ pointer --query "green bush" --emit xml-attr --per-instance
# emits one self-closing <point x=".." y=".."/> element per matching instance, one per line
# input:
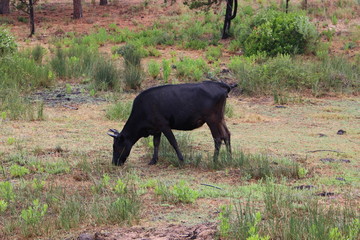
<point x="275" y="32"/>
<point x="75" y="61"/>
<point x="32" y="217"/>
<point x="213" y="53"/>
<point x="17" y="107"/>
<point x="18" y="171"/>
<point x="106" y="75"/>
<point x="166" y="70"/>
<point x="191" y="69"/>
<point x="180" y="192"/>
<point x="124" y="209"/>
<point x="153" y="68"/>
<point x="38" y="53"/>
<point x="7" y="42"/>
<point x="21" y="73"/>
<point x="133" y="74"/>
<point x="58" y="63"/>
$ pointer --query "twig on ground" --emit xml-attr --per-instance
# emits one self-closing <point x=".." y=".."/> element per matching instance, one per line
<point x="73" y="108"/>
<point x="324" y="151"/>
<point x="208" y="185"/>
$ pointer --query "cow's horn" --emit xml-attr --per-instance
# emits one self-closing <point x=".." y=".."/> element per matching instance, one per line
<point x="112" y="135"/>
<point x="113" y="130"/>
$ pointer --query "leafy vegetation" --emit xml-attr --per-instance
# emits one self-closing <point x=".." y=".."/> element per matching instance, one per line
<point x="303" y="218"/>
<point x="284" y="73"/>
<point x="274" y="32"/>
<point x="7" y="42"/>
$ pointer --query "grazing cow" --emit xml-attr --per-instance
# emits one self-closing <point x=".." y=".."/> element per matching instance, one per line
<point x="182" y="107"/>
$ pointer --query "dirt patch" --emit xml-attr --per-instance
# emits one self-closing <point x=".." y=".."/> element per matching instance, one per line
<point x="69" y="97"/>
<point x="201" y="231"/>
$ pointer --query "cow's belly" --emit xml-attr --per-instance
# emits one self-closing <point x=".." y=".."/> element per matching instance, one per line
<point x="187" y="125"/>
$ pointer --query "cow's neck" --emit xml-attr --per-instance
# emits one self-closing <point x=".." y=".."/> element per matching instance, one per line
<point x="131" y="132"/>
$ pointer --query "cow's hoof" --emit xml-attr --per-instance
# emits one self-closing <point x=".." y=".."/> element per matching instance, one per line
<point x="152" y="162"/>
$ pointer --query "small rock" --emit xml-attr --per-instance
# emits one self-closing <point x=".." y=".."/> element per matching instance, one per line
<point x="326" y="194"/>
<point x="225" y="70"/>
<point x="322" y="135"/>
<point x="341" y="132"/>
<point x="302" y="187"/>
<point x="86" y="236"/>
<point x="344" y="160"/>
<point x="280" y="106"/>
<point x="340" y="179"/>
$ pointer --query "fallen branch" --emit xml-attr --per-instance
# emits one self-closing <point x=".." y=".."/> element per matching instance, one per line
<point x="73" y="108"/>
<point x="208" y="185"/>
<point x="324" y="151"/>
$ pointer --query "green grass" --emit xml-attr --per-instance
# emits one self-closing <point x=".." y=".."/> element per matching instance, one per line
<point x="283" y="74"/>
<point x="153" y="69"/>
<point x="289" y="215"/>
<point x="119" y="111"/>
<point x="177" y="193"/>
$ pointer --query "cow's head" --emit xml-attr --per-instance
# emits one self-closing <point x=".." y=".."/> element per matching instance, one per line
<point x="121" y="147"/>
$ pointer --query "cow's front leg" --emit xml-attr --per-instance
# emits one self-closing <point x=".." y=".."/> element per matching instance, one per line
<point x="171" y="138"/>
<point x="156" y="141"/>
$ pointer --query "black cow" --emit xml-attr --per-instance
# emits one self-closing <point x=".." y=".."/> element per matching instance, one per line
<point x="182" y="107"/>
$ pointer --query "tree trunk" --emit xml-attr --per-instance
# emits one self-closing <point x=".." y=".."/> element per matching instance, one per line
<point x="103" y="2"/>
<point x="287" y="6"/>
<point x="305" y="4"/>
<point x="32" y="18"/>
<point x="77" y="9"/>
<point x="4" y="6"/>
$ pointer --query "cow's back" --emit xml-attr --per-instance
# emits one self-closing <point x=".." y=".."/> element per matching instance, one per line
<point x="182" y="106"/>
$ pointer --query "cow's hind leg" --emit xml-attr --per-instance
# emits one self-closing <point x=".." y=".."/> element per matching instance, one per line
<point x="226" y="137"/>
<point x="216" y="134"/>
<point x="171" y="138"/>
<point x="220" y="133"/>
<point x="156" y="142"/>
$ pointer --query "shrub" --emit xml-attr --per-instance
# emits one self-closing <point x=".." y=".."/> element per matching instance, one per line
<point x="7" y="191"/>
<point x="79" y="60"/>
<point x="183" y="193"/>
<point x="213" y="53"/>
<point x="180" y="192"/>
<point x="106" y="75"/>
<point x="7" y="42"/>
<point x="18" y="171"/>
<point x="124" y="209"/>
<point x="192" y="69"/>
<point x="15" y="106"/>
<point x="32" y="217"/>
<point x="153" y="68"/>
<point x="38" y="53"/>
<point x="133" y="73"/>
<point x="20" y="72"/>
<point x="275" y="32"/>
<point x="58" y="63"/>
<point x="166" y="69"/>
<point x="3" y="206"/>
